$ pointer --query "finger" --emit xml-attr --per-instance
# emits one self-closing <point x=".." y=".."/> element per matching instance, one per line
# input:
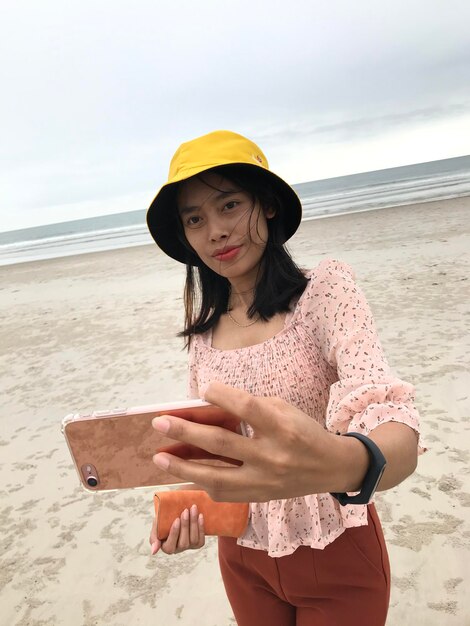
<point x="222" y="483"/>
<point x="155" y="547"/>
<point x="194" y="527"/>
<point x="191" y="453"/>
<point x="211" y="416"/>
<point x="215" y="440"/>
<point x="252" y="409"/>
<point x="186" y="451"/>
<point x="183" y="540"/>
<point x="202" y="535"/>
<point x="169" y="546"/>
<point x="153" y="533"/>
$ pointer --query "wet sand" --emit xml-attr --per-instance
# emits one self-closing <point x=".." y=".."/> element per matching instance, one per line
<point x="98" y="330"/>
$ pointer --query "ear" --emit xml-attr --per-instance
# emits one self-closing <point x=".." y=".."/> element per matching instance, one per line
<point x="269" y="213"/>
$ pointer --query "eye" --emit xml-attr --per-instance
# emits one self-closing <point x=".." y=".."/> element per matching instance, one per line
<point x="231" y="205"/>
<point x="193" y="221"/>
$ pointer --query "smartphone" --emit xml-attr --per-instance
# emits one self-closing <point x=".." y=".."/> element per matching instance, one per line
<point x="113" y="449"/>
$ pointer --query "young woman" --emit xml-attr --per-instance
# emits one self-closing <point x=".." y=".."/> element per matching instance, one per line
<point x="299" y="360"/>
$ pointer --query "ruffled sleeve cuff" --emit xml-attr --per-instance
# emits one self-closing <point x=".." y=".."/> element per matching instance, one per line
<point x="356" y="406"/>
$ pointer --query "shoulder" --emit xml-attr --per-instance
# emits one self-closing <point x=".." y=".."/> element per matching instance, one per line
<point x="329" y="283"/>
<point x="200" y="341"/>
<point x="330" y="269"/>
<point x="328" y="276"/>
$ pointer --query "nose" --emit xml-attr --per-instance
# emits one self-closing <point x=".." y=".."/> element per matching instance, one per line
<point x="217" y="229"/>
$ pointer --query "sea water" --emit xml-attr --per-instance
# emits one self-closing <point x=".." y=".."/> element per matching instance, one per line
<point x="423" y="182"/>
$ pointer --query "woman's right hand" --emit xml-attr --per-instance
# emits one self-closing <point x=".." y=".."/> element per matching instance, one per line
<point x="186" y="533"/>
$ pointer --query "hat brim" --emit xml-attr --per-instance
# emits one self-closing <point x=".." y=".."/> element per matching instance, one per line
<point x="162" y="214"/>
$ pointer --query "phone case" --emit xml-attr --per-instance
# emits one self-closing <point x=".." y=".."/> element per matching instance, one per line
<point x="114" y="449"/>
<point x="225" y="519"/>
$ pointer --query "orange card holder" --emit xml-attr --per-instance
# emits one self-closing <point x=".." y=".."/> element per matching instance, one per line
<point x="223" y="519"/>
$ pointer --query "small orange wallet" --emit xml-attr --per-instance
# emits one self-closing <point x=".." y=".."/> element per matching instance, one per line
<point x="224" y="519"/>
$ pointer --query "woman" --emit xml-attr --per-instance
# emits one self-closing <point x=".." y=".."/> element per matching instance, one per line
<point x="299" y="358"/>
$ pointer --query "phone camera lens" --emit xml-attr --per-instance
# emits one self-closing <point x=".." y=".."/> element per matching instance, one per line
<point x="91" y="481"/>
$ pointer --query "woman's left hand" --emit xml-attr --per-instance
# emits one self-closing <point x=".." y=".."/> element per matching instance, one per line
<point x="186" y="533"/>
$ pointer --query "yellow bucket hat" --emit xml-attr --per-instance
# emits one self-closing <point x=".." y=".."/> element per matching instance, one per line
<point x="219" y="148"/>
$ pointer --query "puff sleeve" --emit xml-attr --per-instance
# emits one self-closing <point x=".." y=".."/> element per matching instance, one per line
<point x="366" y="393"/>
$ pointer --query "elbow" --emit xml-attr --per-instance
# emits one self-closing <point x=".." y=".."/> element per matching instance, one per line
<point x="394" y="475"/>
<point x="409" y="466"/>
<point x="411" y="462"/>
<point x="402" y="458"/>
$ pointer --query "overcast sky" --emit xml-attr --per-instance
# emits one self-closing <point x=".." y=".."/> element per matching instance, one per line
<point x="97" y="95"/>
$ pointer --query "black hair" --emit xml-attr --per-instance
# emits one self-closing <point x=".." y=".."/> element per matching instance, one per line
<point x="206" y="293"/>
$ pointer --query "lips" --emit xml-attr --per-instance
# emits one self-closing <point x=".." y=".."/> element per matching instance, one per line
<point x="226" y="254"/>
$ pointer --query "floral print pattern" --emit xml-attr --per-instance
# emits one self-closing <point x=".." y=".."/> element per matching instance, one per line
<point x="328" y="362"/>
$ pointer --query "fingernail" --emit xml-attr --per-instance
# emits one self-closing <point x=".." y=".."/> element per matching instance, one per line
<point x="162" y="461"/>
<point x="154" y="548"/>
<point x="161" y="424"/>
<point x="201" y="519"/>
<point x="176" y="523"/>
<point x="193" y="511"/>
<point x="185" y="515"/>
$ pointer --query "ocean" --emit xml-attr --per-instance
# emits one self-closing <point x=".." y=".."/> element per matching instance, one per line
<point x="397" y="186"/>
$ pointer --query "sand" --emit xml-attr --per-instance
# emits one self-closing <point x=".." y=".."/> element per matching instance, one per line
<point x="98" y="330"/>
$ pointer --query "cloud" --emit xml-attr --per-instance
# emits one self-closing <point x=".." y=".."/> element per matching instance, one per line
<point x="359" y="128"/>
<point x="97" y="96"/>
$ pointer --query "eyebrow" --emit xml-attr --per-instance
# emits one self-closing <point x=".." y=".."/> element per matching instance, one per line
<point x="219" y="196"/>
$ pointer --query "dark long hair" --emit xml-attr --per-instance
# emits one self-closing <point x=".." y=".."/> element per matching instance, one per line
<point x="206" y="293"/>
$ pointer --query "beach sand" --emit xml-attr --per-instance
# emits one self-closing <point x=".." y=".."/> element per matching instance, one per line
<point x="98" y="330"/>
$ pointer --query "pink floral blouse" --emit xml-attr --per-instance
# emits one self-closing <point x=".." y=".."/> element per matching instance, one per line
<point x="328" y="362"/>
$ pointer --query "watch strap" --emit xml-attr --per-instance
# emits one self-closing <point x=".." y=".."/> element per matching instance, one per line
<point x="371" y="479"/>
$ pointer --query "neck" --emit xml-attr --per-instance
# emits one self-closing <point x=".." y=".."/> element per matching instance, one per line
<point x="241" y="299"/>
<point x="242" y="288"/>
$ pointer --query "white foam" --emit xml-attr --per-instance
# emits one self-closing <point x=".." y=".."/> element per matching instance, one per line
<point x="369" y="196"/>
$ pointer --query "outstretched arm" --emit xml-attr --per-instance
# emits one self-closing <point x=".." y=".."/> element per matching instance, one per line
<point x="289" y="455"/>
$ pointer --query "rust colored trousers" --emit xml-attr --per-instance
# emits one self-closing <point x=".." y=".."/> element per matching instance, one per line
<point x="346" y="584"/>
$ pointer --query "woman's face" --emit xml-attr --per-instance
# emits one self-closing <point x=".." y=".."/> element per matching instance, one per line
<point x="223" y="226"/>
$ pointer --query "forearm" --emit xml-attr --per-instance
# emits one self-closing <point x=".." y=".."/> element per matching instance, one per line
<point x="291" y="456"/>
<point x="398" y="444"/>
